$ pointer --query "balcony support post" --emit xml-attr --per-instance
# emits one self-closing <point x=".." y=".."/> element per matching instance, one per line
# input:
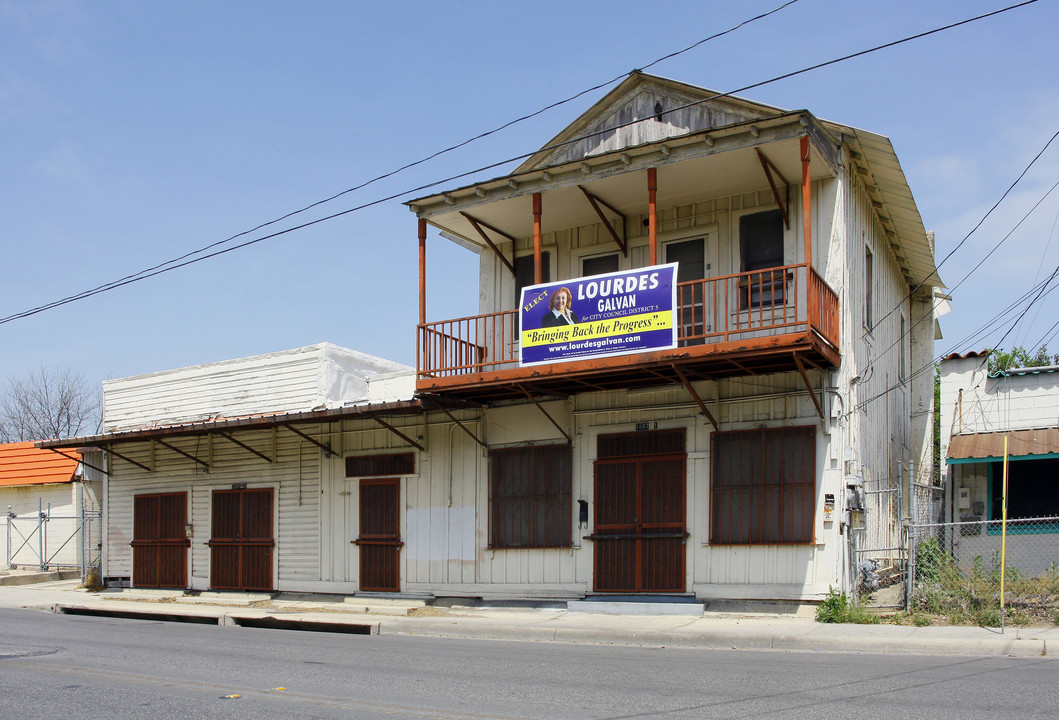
<point x="807" y="198"/>
<point x="537" y="273"/>
<point x="695" y="396"/>
<point x="652" y="214"/>
<point x="422" y="271"/>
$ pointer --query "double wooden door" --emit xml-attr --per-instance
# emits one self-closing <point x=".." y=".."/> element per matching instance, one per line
<point x="241" y="541"/>
<point x="640" y="527"/>
<point x="159" y="540"/>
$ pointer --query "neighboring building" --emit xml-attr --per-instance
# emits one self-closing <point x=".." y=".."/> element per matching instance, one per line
<point x="35" y="481"/>
<point x="716" y="468"/>
<point x="978" y="412"/>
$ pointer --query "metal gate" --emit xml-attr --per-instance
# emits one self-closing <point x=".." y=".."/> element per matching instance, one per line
<point x="46" y="541"/>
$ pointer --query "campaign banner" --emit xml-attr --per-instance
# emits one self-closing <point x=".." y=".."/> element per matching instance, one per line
<point x="617" y="313"/>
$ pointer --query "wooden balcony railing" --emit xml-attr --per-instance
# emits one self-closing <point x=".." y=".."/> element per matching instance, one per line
<point x="762" y="303"/>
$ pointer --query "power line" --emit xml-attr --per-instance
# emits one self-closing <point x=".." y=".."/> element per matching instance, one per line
<point x="178" y="261"/>
<point x="187" y="259"/>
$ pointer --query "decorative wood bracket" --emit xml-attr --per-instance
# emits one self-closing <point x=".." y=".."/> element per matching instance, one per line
<point x="596" y="201"/>
<point x="545" y="413"/>
<point x="479" y="225"/>
<point x="188" y="455"/>
<point x="785" y="204"/>
<point x="695" y="396"/>
<point x="809" y="386"/>
<point x="246" y="447"/>
<point x="398" y="433"/>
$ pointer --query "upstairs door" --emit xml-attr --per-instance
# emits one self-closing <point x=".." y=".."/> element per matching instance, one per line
<point x="700" y="303"/>
<point x="241" y="542"/>
<point x="640" y="499"/>
<point x="159" y="540"/>
<point x="380" y="539"/>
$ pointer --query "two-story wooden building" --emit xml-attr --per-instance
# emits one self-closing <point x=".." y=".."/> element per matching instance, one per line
<point x="800" y="314"/>
<point x="718" y="466"/>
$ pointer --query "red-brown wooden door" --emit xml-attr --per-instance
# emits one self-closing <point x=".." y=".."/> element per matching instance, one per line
<point x="241" y="540"/>
<point x="159" y="540"/>
<point x="380" y="539"/>
<point x="640" y="533"/>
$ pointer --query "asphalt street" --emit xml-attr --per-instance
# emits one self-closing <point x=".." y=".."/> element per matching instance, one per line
<point x="54" y="665"/>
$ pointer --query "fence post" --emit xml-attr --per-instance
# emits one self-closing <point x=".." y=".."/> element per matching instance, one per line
<point x="40" y="534"/>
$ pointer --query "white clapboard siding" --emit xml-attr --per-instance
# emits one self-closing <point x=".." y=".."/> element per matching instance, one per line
<point x="295" y="479"/>
<point x="309" y="378"/>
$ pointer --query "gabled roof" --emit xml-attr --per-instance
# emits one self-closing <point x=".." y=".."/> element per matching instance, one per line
<point x="22" y="463"/>
<point x="646" y="113"/>
<point x="679" y="109"/>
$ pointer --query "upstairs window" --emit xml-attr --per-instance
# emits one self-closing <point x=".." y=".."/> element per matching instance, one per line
<point x="524" y="273"/>
<point x="869" y="284"/>
<point x="599" y="264"/>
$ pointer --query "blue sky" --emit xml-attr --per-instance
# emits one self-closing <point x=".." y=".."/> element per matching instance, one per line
<point x="134" y="132"/>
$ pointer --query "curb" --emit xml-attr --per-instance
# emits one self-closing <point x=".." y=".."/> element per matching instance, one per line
<point x="539" y="632"/>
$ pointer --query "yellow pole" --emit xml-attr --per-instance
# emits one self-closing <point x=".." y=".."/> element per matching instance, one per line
<point x="1004" y="531"/>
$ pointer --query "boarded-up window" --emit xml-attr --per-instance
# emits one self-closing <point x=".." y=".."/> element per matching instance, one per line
<point x="372" y="465"/>
<point x="529" y="497"/>
<point x="763" y="488"/>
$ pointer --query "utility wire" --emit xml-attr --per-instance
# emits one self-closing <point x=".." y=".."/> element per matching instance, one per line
<point x="186" y="259"/>
<point x="177" y="262"/>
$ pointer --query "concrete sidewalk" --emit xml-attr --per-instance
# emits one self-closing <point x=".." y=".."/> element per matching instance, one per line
<point x="550" y="622"/>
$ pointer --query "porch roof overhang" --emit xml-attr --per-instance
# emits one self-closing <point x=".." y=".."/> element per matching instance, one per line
<point x="257" y="422"/>
<point x="701" y="164"/>
<point x="1039" y="444"/>
<point x="691" y="167"/>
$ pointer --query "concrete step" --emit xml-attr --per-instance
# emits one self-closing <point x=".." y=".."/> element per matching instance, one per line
<point x="637" y="607"/>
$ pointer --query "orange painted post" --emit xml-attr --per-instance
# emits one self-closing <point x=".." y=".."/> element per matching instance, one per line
<point x="537" y="239"/>
<point x="807" y="198"/>
<point x="652" y="214"/>
<point x="422" y="271"/>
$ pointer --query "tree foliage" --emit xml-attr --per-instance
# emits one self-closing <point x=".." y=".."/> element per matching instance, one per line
<point x="47" y="403"/>
<point x="1019" y="357"/>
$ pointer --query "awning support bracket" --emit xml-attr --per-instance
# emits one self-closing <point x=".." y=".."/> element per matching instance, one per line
<point x="545" y="413"/>
<point x="246" y="447"/>
<point x="809" y="386"/>
<point x="695" y="396"/>
<point x="596" y="201"/>
<point x="479" y="225"/>
<point x="398" y="433"/>
<point x="459" y="424"/>
<point x="115" y="453"/>
<point x="323" y="446"/>
<point x="71" y="457"/>
<point x="186" y="454"/>
<point x="785" y="204"/>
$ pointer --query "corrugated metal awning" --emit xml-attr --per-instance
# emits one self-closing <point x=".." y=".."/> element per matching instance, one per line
<point x="981" y="447"/>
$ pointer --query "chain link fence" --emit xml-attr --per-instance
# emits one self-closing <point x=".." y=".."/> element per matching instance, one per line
<point x="957" y="569"/>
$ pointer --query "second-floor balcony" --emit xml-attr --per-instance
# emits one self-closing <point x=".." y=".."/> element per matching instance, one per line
<point x="771" y="320"/>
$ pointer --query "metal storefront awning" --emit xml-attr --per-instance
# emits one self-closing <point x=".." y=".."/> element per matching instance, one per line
<point x="986" y="447"/>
